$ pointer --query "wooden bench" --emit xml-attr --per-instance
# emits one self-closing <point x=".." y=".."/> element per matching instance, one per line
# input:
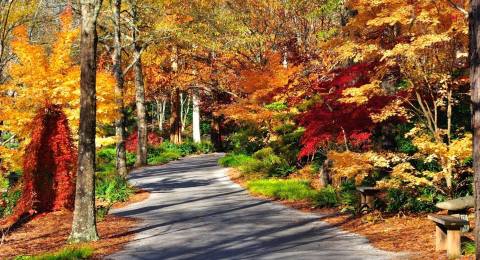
<point x="367" y="197"/>
<point x="447" y="234"/>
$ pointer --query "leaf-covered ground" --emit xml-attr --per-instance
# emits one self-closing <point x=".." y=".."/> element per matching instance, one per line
<point x="49" y="232"/>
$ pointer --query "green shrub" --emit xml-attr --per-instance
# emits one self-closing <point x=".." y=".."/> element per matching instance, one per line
<point x="326" y="197"/>
<point x="68" y="253"/>
<point x="187" y="148"/>
<point x="10" y="199"/>
<point x="235" y="160"/>
<point x="282" y="189"/>
<point x="247" y="140"/>
<point x="348" y="196"/>
<point x="421" y="200"/>
<point x="112" y="188"/>
<point x="468" y="248"/>
<point x="204" y="147"/>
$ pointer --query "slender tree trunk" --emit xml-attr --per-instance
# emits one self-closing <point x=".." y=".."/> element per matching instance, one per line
<point x="216" y="133"/>
<point x="196" y="117"/>
<point x="84" y="223"/>
<point x="160" y="112"/>
<point x="119" y="91"/>
<point x="182" y="112"/>
<point x="139" y="94"/>
<point x="175" y="118"/>
<point x="185" y="109"/>
<point x="474" y="20"/>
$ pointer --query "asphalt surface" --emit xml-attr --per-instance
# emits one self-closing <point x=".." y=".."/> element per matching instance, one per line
<point x="195" y="212"/>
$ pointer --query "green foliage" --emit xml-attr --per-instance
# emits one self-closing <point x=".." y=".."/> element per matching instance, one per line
<point x="68" y="253"/>
<point x="204" y="147"/>
<point x="9" y="199"/>
<point x="468" y="248"/>
<point x="276" y="106"/>
<point x="106" y="159"/>
<point x="235" y="160"/>
<point x="247" y="140"/>
<point x="112" y="188"/>
<point x="423" y="200"/>
<point x="348" y="196"/>
<point x="283" y="189"/>
<point x="326" y="197"/>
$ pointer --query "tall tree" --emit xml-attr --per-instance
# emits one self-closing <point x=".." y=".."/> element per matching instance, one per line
<point x="139" y="89"/>
<point x="84" y="223"/>
<point x="474" y="20"/>
<point x="196" y="116"/>
<point x="119" y="90"/>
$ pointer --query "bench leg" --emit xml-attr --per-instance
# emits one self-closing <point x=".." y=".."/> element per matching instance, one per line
<point x="440" y="238"/>
<point x="453" y="244"/>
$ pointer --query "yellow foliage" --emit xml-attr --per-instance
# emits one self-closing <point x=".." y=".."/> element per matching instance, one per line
<point x="38" y="78"/>
<point x="361" y="95"/>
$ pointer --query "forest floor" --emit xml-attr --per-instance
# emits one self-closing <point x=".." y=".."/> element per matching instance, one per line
<point x="391" y="232"/>
<point x="49" y="233"/>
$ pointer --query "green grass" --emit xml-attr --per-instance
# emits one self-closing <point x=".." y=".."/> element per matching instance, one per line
<point x="292" y="190"/>
<point x="68" y="253"/>
<point x="236" y="160"/>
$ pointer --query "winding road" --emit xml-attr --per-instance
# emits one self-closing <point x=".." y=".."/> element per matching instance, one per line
<point x="195" y="212"/>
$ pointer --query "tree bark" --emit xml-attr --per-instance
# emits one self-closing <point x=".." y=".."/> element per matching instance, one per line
<point x="119" y="91"/>
<point x="216" y="133"/>
<point x="84" y="223"/>
<point x="175" y="118"/>
<point x="160" y="112"/>
<point x="196" y="117"/>
<point x="139" y="93"/>
<point x="474" y="26"/>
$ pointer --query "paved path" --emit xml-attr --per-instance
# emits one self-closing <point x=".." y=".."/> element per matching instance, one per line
<point x="195" y="212"/>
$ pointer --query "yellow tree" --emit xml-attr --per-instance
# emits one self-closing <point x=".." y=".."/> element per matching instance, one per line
<point x="40" y="77"/>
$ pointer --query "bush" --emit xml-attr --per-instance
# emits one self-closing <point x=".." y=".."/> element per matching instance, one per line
<point x="8" y="200"/>
<point x="235" y="160"/>
<point x="422" y="200"/>
<point x="326" y="197"/>
<point x="283" y="189"/>
<point x="112" y="188"/>
<point x="247" y="140"/>
<point x="68" y="253"/>
<point x="204" y="147"/>
<point x="348" y="196"/>
<point x="187" y="148"/>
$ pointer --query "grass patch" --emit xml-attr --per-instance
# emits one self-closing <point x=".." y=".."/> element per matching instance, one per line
<point x="68" y="253"/>
<point x="235" y="160"/>
<point x="292" y="190"/>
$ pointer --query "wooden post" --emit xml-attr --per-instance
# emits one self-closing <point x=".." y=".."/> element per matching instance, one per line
<point x="440" y="238"/>
<point x="453" y="244"/>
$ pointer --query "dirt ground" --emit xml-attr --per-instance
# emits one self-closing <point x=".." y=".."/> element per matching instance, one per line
<point x="49" y="232"/>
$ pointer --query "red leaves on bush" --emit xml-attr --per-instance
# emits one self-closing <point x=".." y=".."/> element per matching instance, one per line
<point x="49" y="166"/>
<point x="131" y="143"/>
<point x="331" y="121"/>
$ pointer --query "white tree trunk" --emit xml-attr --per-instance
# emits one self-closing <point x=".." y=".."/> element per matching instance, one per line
<point x="196" y="117"/>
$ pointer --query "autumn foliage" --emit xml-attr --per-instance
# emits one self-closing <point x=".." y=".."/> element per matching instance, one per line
<point x="49" y="166"/>
<point x="132" y="140"/>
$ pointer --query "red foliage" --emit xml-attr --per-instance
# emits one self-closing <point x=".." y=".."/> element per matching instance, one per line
<point x="331" y="121"/>
<point x="49" y="166"/>
<point x="131" y="143"/>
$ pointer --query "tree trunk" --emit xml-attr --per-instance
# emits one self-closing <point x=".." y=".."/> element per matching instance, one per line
<point x="196" y="117"/>
<point x="160" y="112"/>
<point x="84" y="223"/>
<point x="474" y="22"/>
<point x="119" y="91"/>
<point x="139" y="94"/>
<point x="216" y="133"/>
<point x="175" y="118"/>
